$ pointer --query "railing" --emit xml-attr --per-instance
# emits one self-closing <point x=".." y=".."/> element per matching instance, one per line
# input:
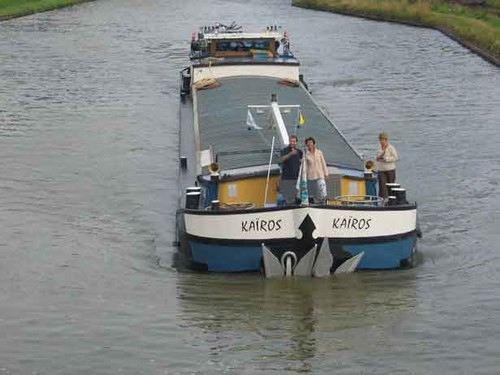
<point x="230" y="206"/>
<point x="357" y="200"/>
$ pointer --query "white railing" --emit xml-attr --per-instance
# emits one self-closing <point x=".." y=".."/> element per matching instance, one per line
<point x="358" y="200"/>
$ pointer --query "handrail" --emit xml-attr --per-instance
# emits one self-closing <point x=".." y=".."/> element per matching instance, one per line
<point x="359" y="200"/>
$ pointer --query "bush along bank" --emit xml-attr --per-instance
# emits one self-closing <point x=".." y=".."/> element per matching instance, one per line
<point x="476" y="27"/>
<point x="18" y="8"/>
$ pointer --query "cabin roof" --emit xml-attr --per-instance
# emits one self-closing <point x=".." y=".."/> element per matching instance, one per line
<point x="262" y="35"/>
<point x="222" y="115"/>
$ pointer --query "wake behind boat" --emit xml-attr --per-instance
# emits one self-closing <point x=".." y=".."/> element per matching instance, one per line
<point x="241" y="98"/>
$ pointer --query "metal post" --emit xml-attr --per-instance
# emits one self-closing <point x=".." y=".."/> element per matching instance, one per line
<point x="279" y="121"/>
<point x="269" y="171"/>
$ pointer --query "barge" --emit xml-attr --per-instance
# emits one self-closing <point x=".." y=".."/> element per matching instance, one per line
<point x="242" y="96"/>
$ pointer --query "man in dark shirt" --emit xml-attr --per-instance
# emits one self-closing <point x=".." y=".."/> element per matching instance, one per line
<point x="291" y="157"/>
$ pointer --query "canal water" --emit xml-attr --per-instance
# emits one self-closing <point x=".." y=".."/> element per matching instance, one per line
<point x="88" y="158"/>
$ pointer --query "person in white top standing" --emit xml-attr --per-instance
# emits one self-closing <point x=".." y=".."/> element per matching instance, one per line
<point x="386" y="164"/>
<point x="317" y="172"/>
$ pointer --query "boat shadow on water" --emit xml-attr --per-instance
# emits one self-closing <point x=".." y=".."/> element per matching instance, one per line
<point x="287" y="319"/>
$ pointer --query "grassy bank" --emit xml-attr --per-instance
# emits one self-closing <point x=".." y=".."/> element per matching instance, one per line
<point x="18" y="8"/>
<point x="476" y="27"/>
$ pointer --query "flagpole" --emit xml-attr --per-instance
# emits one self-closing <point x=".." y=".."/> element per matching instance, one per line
<point x="304" y="193"/>
<point x="300" y="120"/>
<point x="269" y="171"/>
<point x="302" y="179"/>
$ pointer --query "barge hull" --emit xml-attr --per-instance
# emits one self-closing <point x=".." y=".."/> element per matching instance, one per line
<point x="233" y="256"/>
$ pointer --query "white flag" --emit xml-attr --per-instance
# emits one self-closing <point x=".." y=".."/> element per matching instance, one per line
<point x="251" y="122"/>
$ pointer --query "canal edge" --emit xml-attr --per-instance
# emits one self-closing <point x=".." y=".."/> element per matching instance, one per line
<point x="47" y="9"/>
<point x="470" y="46"/>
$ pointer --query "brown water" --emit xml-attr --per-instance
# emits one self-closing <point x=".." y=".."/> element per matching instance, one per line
<point x="88" y="157"/>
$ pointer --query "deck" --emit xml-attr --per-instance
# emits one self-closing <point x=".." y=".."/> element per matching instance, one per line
<point x="222" y="113"/>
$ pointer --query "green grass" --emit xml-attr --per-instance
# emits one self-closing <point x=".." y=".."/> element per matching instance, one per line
<point x="18" y="8"/>
<point x="477" y="27"/>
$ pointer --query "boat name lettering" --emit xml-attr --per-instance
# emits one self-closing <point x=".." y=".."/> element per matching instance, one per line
<point x="259" y="225"/>
<point x="351" y="223"/>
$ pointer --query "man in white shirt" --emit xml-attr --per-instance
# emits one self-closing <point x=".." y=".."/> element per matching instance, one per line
<point x="386" y="164"/>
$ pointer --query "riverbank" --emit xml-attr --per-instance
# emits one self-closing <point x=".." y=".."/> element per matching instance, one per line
<point x="475" y="27"/>
<point x="18" y="8"/>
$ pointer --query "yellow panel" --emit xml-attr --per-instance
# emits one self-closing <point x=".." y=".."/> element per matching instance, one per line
<point x="249" y="190"/>
<point x="352" y="186"/>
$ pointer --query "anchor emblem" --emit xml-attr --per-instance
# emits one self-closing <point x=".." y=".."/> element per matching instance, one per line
<point x="307" y="228"/>
<point x="312" y="263"/>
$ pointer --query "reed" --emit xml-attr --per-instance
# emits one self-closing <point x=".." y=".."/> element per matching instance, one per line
<point x="476" y="27"/>
<point x="19" y="8"/>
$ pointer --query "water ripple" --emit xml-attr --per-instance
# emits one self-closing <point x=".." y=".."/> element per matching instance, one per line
<point x="88" y="159"/>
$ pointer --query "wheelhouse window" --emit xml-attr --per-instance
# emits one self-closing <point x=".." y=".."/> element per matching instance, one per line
<point x="242" y="45"/>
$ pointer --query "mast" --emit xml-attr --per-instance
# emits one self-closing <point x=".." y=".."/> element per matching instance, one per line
<point x="279" y="120"/>
<point x="275" y="110"/>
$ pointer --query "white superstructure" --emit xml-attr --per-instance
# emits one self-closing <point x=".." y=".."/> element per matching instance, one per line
<point x="222" y="52"/>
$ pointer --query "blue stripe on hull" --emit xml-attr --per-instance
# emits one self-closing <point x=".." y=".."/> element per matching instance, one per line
<point x="227" y="258"/>
<point x="238" y="258"/>
<point x="383" y="255"/>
